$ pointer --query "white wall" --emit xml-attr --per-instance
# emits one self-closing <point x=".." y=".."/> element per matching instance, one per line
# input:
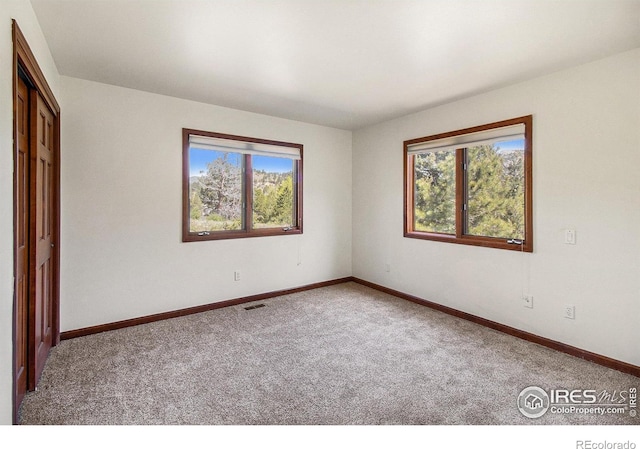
<point x="21" y="11"/>
<point x="121" y="252"/>
<point x="586" y="157"/>
<point x="121" y="207"/>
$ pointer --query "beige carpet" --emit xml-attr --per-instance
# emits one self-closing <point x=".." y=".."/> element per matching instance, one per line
<point x="344" y="354"/>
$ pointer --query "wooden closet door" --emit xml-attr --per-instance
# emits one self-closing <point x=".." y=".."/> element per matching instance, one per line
<point x="22" y="241"/>
<point x="42" y="215"/>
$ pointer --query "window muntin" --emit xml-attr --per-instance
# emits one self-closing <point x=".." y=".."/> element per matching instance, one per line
<point x="472" y="186"/>
<point x="237" y="186"/>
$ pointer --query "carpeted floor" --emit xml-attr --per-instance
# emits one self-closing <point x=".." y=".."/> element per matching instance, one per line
<point x="343" y="354"/>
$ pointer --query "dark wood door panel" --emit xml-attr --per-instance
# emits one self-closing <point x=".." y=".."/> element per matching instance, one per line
<point x="21" y="241"/>
<point x="41" y="301"/>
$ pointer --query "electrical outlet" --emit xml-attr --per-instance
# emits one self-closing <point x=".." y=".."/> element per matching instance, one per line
<point x="527" y="301"/>
<point x="236" y="275"/>
<point x="570" y="312"/>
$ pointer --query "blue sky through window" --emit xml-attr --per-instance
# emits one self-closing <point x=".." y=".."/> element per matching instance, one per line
<point x="199" y="159"/>
<point x="511" y="145"/>
<point x="272" y="164"/>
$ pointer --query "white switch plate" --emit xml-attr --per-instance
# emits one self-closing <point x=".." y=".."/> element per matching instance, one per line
<point x="236" y="275"/>
<point x="527" y="301"/>
<point x="570" y="236"/>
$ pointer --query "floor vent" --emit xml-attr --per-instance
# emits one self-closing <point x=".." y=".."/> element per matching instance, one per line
<point x="257" y="306"/>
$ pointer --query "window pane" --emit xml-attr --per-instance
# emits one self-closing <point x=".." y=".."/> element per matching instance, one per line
<point x="495" y="190"/>
<point x="435" y="192"/>
<point x="215" y="190"/>
<point x="273" y="198"/>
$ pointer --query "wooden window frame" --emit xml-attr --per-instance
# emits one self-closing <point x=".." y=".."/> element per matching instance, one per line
<point x="460" y="237"/>
<point x="247" y="192"/>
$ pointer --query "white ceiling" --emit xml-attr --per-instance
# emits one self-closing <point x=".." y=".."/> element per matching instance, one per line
<point x="340" y="63"/>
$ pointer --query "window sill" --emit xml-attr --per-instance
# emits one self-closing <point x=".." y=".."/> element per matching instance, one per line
<point x="223" y="235"/>
<point x="485" y="242"/>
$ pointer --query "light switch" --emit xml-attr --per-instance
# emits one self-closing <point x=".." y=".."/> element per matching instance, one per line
<point x="570" y="236"/>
